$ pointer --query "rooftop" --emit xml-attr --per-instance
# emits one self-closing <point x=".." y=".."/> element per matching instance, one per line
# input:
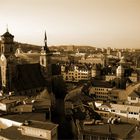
<point x="41" y="125"/>
<point x="108" y="129"/>
<point x="13" y="133"/>
<point x="26" y="116"/>
<point x="7" y="101"/>
<point x="135" y="93"/>
<point x="7" y="34"/>
<point x="100" y="83"/>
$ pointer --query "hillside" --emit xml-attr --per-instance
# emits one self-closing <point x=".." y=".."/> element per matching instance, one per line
<point x="27" y="47"/>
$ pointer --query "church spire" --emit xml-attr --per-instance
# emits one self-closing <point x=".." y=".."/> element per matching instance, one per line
<point x="45" y="48"/>
<point x="45" y="39"/>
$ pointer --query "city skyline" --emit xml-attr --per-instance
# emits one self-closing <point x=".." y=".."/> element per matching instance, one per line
<point x="109" y="23"/>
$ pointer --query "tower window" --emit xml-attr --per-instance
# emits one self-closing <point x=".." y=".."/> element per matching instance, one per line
<point x="43" y="61"/>
<point x="2" y="49"/>
<point x="11" y="49"/>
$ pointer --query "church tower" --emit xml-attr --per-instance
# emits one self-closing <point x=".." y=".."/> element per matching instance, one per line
<point x="7" y="43"/>
<point x="45" y="59"/>
<point x="6" y="60"/>
<point x="120" y="71"/>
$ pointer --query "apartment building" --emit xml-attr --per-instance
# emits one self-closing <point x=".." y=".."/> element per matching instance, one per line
<point x="100" y="90"/>
<point x="75" y="73"/>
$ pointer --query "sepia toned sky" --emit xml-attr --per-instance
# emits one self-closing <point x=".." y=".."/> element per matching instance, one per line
<point x="100" y="23"/>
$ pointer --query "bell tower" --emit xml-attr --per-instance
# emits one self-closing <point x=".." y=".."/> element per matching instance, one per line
<point x="7" y="43"/>
<point x="7" y="60"/>
<point x="45" y="61"/>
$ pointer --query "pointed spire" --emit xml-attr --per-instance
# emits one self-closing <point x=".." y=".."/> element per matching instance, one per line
<point x="45" y="48"/>
<point x="7" y="28"/>
<point x="45" y="39"/>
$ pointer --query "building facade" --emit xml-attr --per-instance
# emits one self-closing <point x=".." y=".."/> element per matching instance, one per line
<point x="75" y="73"/>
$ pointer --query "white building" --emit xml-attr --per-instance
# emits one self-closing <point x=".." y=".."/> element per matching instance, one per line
<point x="124" y="110"/>
<point x="44" y="130"/>
<point x="128" y="111"/>
<point x="134" y="97"/>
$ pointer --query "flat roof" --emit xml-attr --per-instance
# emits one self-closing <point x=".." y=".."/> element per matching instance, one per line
<point x="120" y="130"/>
<point x="41" y="125"/>
<point x="26" y="116"/>
<point x="14" y="134"/>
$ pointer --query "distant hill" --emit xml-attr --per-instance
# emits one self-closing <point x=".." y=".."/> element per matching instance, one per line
<point x="27" y="47"/>
<point x="72" y="48"/>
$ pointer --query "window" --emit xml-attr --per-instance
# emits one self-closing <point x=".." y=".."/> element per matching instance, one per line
<point x="130" y="112"/>
<point x="42" y="61"/>
<point x="133" y="98"/>
<point x="135" y="113"/>
<point x="122" y="111"/>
